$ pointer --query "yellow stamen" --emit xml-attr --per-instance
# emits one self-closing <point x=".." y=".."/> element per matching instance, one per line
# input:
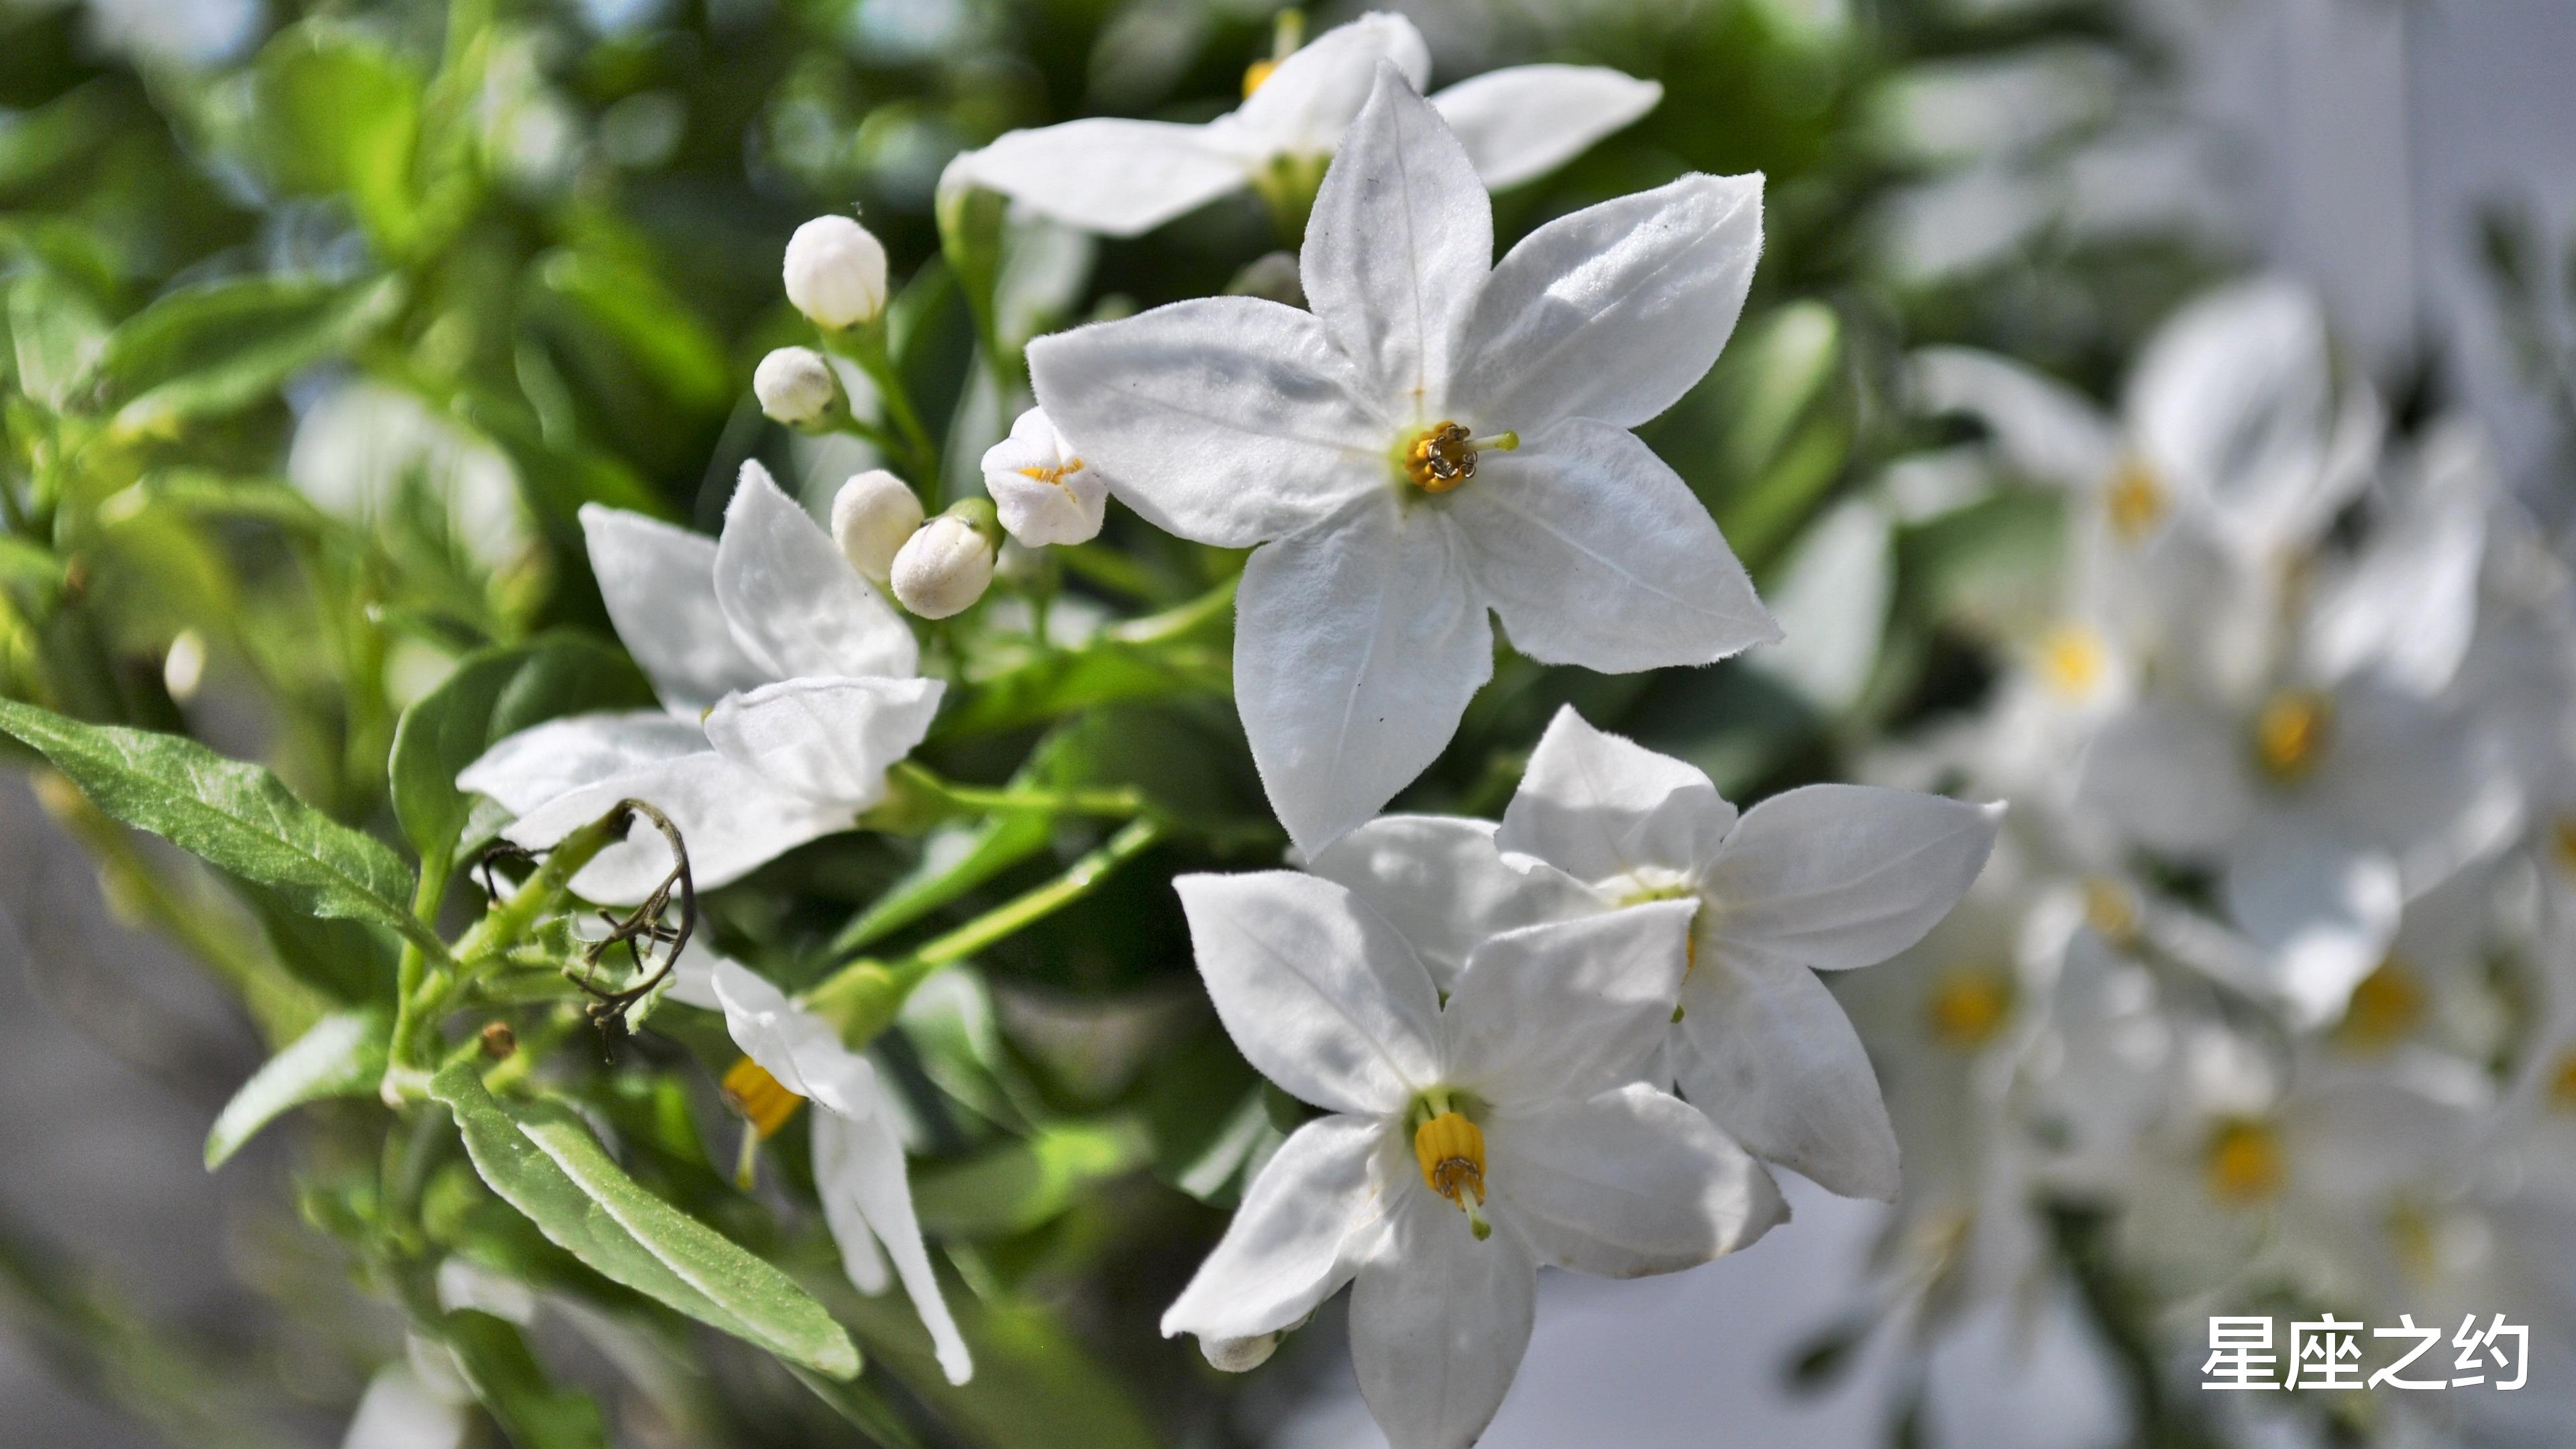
<point x="1440" y="458"/>
<point x="2562" y="1084"/>
<point x="2072" y="660"/>
<point x="2136" y="500"/>
<point x="1451" y="1150"/>
<point x="2385" y="1008"/>
<point x="1256" y="74"/>
<point x="1968" y="1007"/>
<point x="759" y="1098"/>
<point x="1053" y="473"/>
<point x="2111" y="909"/>
<point x="2291" y="732"/>
<point x="2242" y="1165"/>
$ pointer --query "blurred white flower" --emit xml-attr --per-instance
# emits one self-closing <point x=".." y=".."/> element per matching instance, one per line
<point x="872" y="516"/>
<point x="366" y="449"/>
<point x="789" y="687"/>
<point x="1125" y="177"/>
<point x="1441" y="436"/>
<point x="1045" y="492"/>
<point x="1468" y="1142"/>
<point x="836" y="273"/>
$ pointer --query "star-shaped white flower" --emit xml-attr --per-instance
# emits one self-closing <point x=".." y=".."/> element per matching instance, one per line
<point x="790" y="688"/>
<point x="1467" y="1144"/>
<point x="1440" y="437"/>
<point x="1042" y="489"/>
<point x="1124" y="177"/>
<point x="1827" y="877"/>
<point x="858" y="1159"/>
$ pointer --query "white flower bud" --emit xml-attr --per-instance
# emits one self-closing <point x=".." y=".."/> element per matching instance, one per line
<point x="1045" y="494"/>
<point x="796" y="387"/>
<point x="946" y="566"/>
<point x="1239" y="1355"/>
<point x="872" y="516"/>
<point x="836" y="273"/>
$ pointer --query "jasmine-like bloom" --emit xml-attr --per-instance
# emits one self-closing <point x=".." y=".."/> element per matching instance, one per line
<point x="1466" y="1143"/>
<point x="1045" y="491"/>
<point x="1124" y="177"/>
<point x="1441" y="436"/>
<point x="872" y="516"/>
<point x="789" y="687"/>
<point x="792" y="1056"/>
<point x="1827" y="877"/>
<point x="835" y="273"/>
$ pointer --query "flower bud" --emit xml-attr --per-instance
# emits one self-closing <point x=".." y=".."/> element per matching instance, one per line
<point x="796" y="387"/>
<point x="1239" y="1355"/>
<point x="836" y="273"/>
<point x="1044" y="493"/>
<point x="872" y="516"/>
<point x="946" y="566"/>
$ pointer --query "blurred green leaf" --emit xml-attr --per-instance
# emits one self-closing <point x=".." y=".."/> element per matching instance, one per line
<point x="1034" y="1387"/>
<point x="56" y="336"/>
<point x="509" y="1383"/>
<point x="542" y="1160"/>
<point x="342" y="113"/>
<point x="347" y="961"/>
<point x="343" y="1055"/>
<point x="1024" y="1184"/>
<point x="219" y="347"/>
<point x="491" y="696"/>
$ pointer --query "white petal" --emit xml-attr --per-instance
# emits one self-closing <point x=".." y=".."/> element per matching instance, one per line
<point x="826" y="739"/>
<point x="1117" y="177"/>
<point x="862" y="1261"/>
<point x="2409" y="609"/>
<point x="1596" y="553"/>
<point x="1626" y="1183"/>
<point x="1043" y="493"/>
<point x="1565" y="1010"/>
<point x="1307" y="104"/>
<point x="1440" y="881"/>
<point x="693" y="980"/>
<point x="1439" y="1322"/>
<point x="2325" y="907"/>
<point x="1319" y="993"/>
<point x="732" y="820"/>
<point x="1846" y="875"/>
<point x="1226" y="420"/>
<point x="2045" y="430"/>
<point x="535" y="765"/>
<point x="1356" y="648"/>
<point x="659" y="583"/>
<point x="1305" y="1224"/>
<point x="1397" y="249"/>
<point x="1524" y="121"/>
<point x="1600" y="806"/>
<point x="1765" y="1050"/>
<point x="2172" y="775"/>
<point x="793" y="602"/>
<point x="795" y="1046"/>
<point x="867" y="1165"/>
<point x="1613" y="312"/>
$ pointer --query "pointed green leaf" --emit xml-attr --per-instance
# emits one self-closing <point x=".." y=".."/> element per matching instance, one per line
<point x="233" y="814"/>
<point x="541" y="1159"/>
<point x="223" y="346"/>
<point x="1024" y="1184"/>
<point x="512" y="1386"/>
<point x="342" y="1055"/>
<point x="492" y="695"/>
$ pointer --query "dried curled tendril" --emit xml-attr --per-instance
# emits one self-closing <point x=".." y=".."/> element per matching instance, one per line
<point x="644" y="924"/>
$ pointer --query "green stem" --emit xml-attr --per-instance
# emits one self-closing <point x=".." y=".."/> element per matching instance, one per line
<point x="413" y="969"/>
<point x="863" y="996"/>
<point x="1120" y="804"/>
<point x="1179" y="620"/>
<point x="866" y="346"/>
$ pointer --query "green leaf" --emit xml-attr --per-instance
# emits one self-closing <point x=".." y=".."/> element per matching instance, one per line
<point x="1025" y="1184"/>
<point x="232" y="814"/>
<point x="1034" y="1387"/>
<point x="541" y="1159"/>
<point x="343" y="115"/>
<point x="1107" y="670"/>
<point x="492" y="695"/>
<point x="213" y="349"/>
<point x="347" y="961"/>
<point x="342" y="1055"/>
<point x="512" y="1386"/>
<point x="56" y="337"/>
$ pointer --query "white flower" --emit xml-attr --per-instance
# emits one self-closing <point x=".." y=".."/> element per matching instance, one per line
<point x="872" y="516"/>
<point x="795" y="386"/>
<point x="1826" y="877"/>
<point x="1467" y="1143"/>
<point x="836" y="273"/>
<point x="789" y="688"/>
<point x="1441" y="436"/>
<point x="944" y="567"/>
<point x="1125" y="177"/>
<point x="858" y="1160"/>
<point x="1045" y="492"/>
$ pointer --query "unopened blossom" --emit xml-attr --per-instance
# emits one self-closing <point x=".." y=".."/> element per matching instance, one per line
<point x="836" y="273"/>
<point x="792" y="1056"/>
<point x="947" y="564"/>
<point x="789" y="688"/>
<point x="796" y="387"/>
<point x="1440" y="437"/>
<point x="872" y="516"/>
<point x="1827" y="877"/>
<point x="1044" y="490"/>
<point x="1466" y="1142"/>
<point x="1126" y="177"/>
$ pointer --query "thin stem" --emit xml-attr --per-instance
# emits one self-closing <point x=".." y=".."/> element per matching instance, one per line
<point x="409" y="974"/>
<point x="866" y="346"/>
<point x="1120" y="804"/>
<point x="1180" y="619"/>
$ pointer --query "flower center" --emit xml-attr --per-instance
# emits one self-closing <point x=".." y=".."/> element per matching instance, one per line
<point x="2242" y="1165"/>
<point x="2386" y="1006"/>
<point x="2072" y="660"/>
<point x="1256" y="75"/>
<point x="1451" y="1150"/>
<point x="2136" y="500"/>
<point x="2291" y="731"/>
<point x="2111" y="909"/>
<point x="759" y="1098"/>
<point x="1054" y="473"/>
<point x="1442" y="456"/>
<point x="1968" y="1007"/>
